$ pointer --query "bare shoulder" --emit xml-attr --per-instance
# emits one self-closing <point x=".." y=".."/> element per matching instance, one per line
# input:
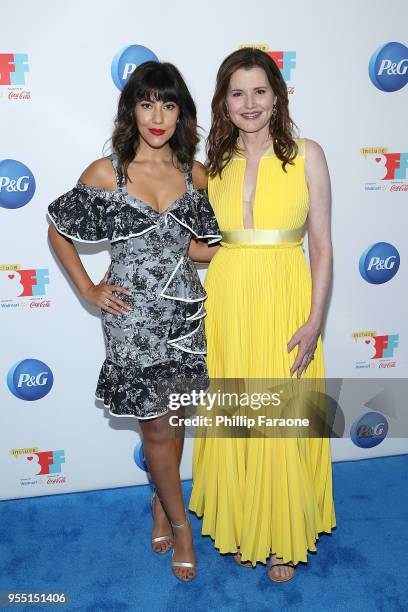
<point x="100" y="174"/>
<point x="313" y="150"/>
<point x="200" y="177"/>
<point x="315" y="160"/>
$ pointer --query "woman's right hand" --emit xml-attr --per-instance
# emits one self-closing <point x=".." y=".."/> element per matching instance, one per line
<point x="101" y="295"/>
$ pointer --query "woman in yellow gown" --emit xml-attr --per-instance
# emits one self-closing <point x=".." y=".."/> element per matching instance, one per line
<point x="264" y="497"/>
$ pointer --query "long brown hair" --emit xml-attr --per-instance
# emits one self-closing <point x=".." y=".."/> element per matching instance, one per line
<point x="222" y="139"/>
<point x="155" y="81"/>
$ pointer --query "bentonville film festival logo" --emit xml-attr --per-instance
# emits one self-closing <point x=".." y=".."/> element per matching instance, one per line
<point x="385" y="170"/>
<point x="37" y="467"/>
<point x="285" y="61"/>
<point x="23" y="288"/>
<point x="14" y="68"/>
<point x="375" y="350"/>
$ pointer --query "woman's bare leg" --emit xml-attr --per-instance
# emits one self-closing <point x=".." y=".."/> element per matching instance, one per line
<point x="161" y="523"/>
<point x="180" y="441"/>
<point x="162" y="454"/>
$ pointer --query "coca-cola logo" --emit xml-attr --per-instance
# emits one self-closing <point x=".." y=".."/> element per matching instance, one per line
<point x="43" y="304"/>
<point x="401" y="187"/>
<point x="57" y="480"/>
<point x="19" y="95"/>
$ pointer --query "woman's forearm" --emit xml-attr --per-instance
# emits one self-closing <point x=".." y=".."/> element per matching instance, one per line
<point x="69" y="258"/>
<point x="201" y="252"/>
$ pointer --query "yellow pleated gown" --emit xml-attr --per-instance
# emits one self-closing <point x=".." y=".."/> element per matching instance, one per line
<point x="271" y="495"/>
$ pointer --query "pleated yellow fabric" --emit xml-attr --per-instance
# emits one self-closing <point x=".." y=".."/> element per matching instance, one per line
<point x="261" y="495"/>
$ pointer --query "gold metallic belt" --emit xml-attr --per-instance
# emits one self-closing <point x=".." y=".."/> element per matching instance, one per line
<point x="263" y="238"/>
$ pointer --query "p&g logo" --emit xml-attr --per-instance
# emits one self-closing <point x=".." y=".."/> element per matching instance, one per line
<point x="30" y="379"/>
<point x="127" y="60"/>
<point x="17" y="184"/>
<point x="369" y="430"/>
<point x="379" y="263"/>
<point x="388" y="67"/>
<point x="139" y="458"/>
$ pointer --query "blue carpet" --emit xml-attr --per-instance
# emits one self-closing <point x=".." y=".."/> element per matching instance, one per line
<point x="95" y="546"/>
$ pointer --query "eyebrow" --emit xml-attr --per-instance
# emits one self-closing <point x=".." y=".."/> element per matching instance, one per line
<point x="157" y="101"/>
<point x="258" y="87"/>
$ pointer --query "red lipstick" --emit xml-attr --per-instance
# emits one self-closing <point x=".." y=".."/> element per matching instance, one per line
<point x="156" y="132"/>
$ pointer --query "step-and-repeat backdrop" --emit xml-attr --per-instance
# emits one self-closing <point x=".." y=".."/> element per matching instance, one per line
<point x="62" y="67"/>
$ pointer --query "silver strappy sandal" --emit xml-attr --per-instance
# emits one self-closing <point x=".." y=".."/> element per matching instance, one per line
<point x="182" y="563"/>
<point x="165" y="538"/>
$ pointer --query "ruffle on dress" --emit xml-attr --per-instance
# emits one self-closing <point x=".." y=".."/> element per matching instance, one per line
<point x="143" y="393"/>
<point x="90" y="214"/>
<point x="197" y="215"/>
<point x="187" y="332"/>
<point x="184" y="285"/>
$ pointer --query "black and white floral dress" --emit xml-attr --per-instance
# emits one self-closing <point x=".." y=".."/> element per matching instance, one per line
<point x="162" y="337"/>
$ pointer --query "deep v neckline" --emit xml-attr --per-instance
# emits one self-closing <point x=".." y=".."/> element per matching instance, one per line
<point x="255" y="194"/>
<point x="269" y="152"/>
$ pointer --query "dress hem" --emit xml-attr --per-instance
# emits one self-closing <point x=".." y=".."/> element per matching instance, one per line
<point x="279" y="554"/>
<point x="129" y="415"/>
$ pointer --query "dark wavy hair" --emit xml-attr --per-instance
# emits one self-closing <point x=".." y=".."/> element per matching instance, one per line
<point x="155" y="81"/>
<point x="222" y="139"/>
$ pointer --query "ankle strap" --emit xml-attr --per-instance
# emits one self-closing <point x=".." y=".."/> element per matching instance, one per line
<point x="180" y="525"/>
